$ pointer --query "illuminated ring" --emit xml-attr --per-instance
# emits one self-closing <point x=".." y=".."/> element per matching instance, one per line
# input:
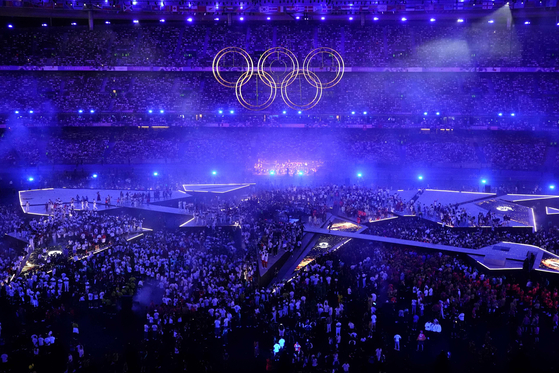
<point x="220" y="55"/>
<point x="282" y="50"/>
<point x="243" y="79"/>
<point x="337" y="56"/>
<point x="317" y="85"/>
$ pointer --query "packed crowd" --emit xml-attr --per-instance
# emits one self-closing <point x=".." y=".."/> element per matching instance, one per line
<point x="391" y="45"/>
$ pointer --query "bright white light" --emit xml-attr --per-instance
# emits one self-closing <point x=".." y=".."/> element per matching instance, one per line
<point x="323" y="18"/>
<point x="216" y="19"/>
<point x="17" y="111"/>
<point x="500" y="114"/>
<point x="375" y="19"/>
<point x="351" y="18"/>
<point x="460" y="20"/>
<point x="80" y="111"/>
<point x="189" y="19"/>
<point x="268" y="18"/>
<point x="364" y="113"/>
<point x="490" y="21"/>
<point x="150" y="111"/>
<point x="162" y="20"/>
<point x="161" y="111"/>
<point x="299" y="112"/>
<point x="552" y="186"/>
<point x="231" y="111"/>
<point x="73" y="24"/>
<point x="404" y="19"/>
<point x="31" y="111"/>
<point x="95" y="176"/>
<point x="527" y="22"/>
<point x="242" y="18"/>
<point x="432" y="20"/>
<point x="300" y="173"/>
<point x="284" y="112"/>
<point x="353" y="113"/>
<point x="420" y="177"/>
<point x="155" y="173"/>
<point x="44" y="25"/>
<point x="484" y="181"/>
<point x="134" y="3"/>
<point x="12" y="26"/>
<point x="300" y="18"/>
<point x="135" y="21"/>
<point x="425" y="113"/>
<point x="92" y="111"/>
<point x="107" y="22"/>
<point x="220" y="112"/>
<point x="214" y="172"/>
<point x="359" y="174"/>
<point x="512" y="114"/>
<point x="438" y="113"/>
<point x="31" y="179"/>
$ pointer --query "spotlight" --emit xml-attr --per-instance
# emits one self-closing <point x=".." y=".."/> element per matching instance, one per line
<point x="44" y="25"/>
<point x="17" y="111"/>
<point x="80" y="111"/>
<point x="135" y="21"/>
<point x="552" y="186"/>
<point x="134" y="3"/>
<point x="500" y="114"/>
<point x="216" y="19"/>
<point x="460" y="20"/>
<point x="359" y="174"/>
<point x="12" y="26"/>
<point x="438" y="113"/>
<point x="300" y="18"/>
<point x="161" y="111"/>
<point x="214" y="173"/>
<point x="299" y="112"/>
<point x="150" y="111"/>
<point x="231" y="111"/>
<point x="109" y="22"/>
<point x="155" y="173"/>
<point x="512" y="114"/>
<point x="375" y="19"/>
<point x="30" y="178"/>
<point x="432" y="20"/>
<point x="300" y="173"/>
<point x="284" y="112"/>
<point x="353" y="113"/>
<point x="94" y="176"/>
<point x="404" y="19"/>
<point x="483" y="181"/>
<point x="364" y="113"/>
<point x="73" y="24"/>
<point x="189" y="19"/>
<point x="242" y="19"/>
<point x="322" y="18"/>
<point x="272" y="172"/>
<point x="425" y="113"/>
<point x="31" y="111"/>
<point x="490" y="21"/>
<point x="92" y="111"/>
<point x="420" y="177"/>
<point x="220" y="112"/>
<point x="527" y="22"/>
<point x="351" y="18"/>
<point x="268" y="18"/>
<point x="162" y="20"/>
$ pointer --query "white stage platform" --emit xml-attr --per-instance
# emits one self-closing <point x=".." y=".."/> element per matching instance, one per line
<point x="215" y="188"/>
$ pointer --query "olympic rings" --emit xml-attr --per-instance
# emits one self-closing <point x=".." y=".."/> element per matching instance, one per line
<point x="269" y="81"/>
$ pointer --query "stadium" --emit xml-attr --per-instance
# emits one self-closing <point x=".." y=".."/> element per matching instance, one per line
<point x="367" y="186"/>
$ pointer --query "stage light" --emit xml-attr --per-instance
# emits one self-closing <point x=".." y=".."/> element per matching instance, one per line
<point x="31" y="111"/>
<point x="220" y="112"/>
<point x="552" y="186"/>
<point x="432" y="20"/>
<point x="155" y="173"/>
<point x="460" y="20"/>
<point x="359" y="174"/>
<point x="404" y="19"/>
<point x="272" y="172"/>
<point x="134" y="3"/>
<point x="189" y="19"/>
<point x="490" y="21"/>
<point x="527" y="22"/>
<point x="150" y="111"/>
<point x="351" y="18"/>
<point x="353" y="113"/>
<point x="214" y="173"/>
<point x="268" y="18"/>
<point x="17" y="111"/>
<point x="231" y="111"/>
<point x="483" y="181"/>
<point x="424" y="113"/>
<point x="216" y="19"/>
<point x="557" y="24"/>
<point x="299" y="112"/>
<point x="30" y="179"/>
<point x="322" y="18"/>
<point x="512" y="114"/>
<point x="375" y="19"/>
<point x="284" y="112"/>
<point x="92" y="111"/>
<point x="300" y="18"/>
<point x="107" y="22"/>
<point x="161" y="111"/>
<point x="94" y="176"/>
<point x="420" y="177"/>
<point x="12" y="26"/>
<point x="135" y="21"/>
<point x="162" y="20"/>
<point x="80" y="111"/>
<point x="44" y="25"/>
<point x="438" y="113"/>
<point x="300" y="173"/>
<point x="500" y="114"/>
<point x="73" y="24"/>
<point x="364" y="113"/>
<point x="242" y="19"/>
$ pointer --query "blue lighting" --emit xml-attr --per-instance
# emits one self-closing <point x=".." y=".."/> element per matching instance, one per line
<point x="284" y="112"/>
<point x="420" y="177"/>
<point x="432" y="20"/>
<point x="161" y="111"/>
<point x="220" y="112"/>
<point x="500" y="114"/>
<point x="404" y="19"/>
<point x="216" y="19"/>
<point x="460" y="20"/>
<point x="44" y="25"/>
<point x="17" y="111"/>
<point x="214" y="173"/>
<point x="359" y="174"/>
<point x="424" y="113"/>
<point x="189" y="19"/>
<point x="31" y="111"/>
<point x="94" y="176"/>
<point x="73" y="24"/>
<point x="483" y="181"/>
<point x="242" y="19"/>
<point x="512" y="114"/>
<point x="155" y="173"/>
<point x="322" y="18"/>
<point x="351" y="18"/>
<point x="300" y="173"/>
<point x="375" y="19"/>
<point x="490" y="21"/>
<point x="12" y="26"/>
<point x="353" y="113"/>
<point x="552" y="186"/>
<point x="135" y="21"/>
<point x="527" y="22"/>
<point x="162" y="20"/>
<point x="30" y="179"/>
<point x="231" y="111"/>
<point x="438" y="113"/>
<point x="364" y="113"/>
<point x="300" y="18"/>
<point x="268" y="18"/>
<point x="107" y="22"/>
<point x="80" y="111"/>
<point x="92" y="111"/>
<point x="299" y="112"/>
<point x="272" y="172"/>
<point x="150" y="111"/>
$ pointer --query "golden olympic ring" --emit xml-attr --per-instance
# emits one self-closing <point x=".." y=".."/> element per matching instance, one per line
<point x="269" y="81"/>
<point x="220" y="55"/>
